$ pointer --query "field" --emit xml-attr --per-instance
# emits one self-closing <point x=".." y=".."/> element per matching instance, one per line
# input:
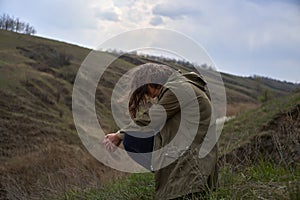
<point x="258" y="160"/>
<point x="42" y="156"/>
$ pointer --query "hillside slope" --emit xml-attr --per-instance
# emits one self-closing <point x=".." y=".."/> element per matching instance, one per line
<point x="40" y="152"/>
<point x="259" y="159"/>
<point x="260" y="152"/>
<point x="260" y="121"/>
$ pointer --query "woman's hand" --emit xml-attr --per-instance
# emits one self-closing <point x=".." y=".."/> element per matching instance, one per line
<point x="112" y="141"/>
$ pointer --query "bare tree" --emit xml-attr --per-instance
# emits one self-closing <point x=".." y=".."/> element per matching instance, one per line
<point x="14" y="24"/>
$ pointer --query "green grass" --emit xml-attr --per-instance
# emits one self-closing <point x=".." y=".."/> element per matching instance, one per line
<point x="263" y="180"/>
<point x="135" y="186"/>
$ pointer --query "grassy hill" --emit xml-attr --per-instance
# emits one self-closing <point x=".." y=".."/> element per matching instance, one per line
<point x="40" y="152"/>
<point x="259" y="159"/>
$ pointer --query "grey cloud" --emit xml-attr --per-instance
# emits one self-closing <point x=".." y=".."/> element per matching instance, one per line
<point x="175" y="10"/>
<point x="157" y="20"/>
<point x="109" y="15"/>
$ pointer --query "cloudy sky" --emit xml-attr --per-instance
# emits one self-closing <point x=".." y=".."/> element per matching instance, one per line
<point x="243" y="37"/>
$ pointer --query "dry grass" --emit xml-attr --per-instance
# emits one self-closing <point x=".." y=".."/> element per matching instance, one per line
<point x="277" y="141"/>
<point x="52" y="172"/>
<point x="235" y="109"/>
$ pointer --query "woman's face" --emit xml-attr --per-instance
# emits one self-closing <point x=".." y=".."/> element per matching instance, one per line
<point x="153" y="92"/>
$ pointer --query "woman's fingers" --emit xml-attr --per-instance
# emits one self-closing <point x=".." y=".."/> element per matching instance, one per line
<point x="111" y="142"/>
<point x="109" y="145"/>
<point x="105" y="142"/>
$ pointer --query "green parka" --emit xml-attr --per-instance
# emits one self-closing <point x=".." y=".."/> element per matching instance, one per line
<point x="189" y="173"/>
<point x="178" y="168"/>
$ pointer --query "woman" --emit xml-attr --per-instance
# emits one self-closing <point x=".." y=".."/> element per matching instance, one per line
<point x="180" y="172"/>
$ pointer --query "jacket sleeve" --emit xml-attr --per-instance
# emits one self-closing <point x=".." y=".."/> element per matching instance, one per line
<point x="142" y="119"/>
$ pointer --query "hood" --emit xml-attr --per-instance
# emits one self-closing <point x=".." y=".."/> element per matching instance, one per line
<point x="196" y="79"/>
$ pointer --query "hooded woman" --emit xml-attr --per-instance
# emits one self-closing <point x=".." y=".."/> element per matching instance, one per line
<point x="177" y="133"/>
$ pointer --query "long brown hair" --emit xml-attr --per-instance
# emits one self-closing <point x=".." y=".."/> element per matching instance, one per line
<point x="155" y="75"/>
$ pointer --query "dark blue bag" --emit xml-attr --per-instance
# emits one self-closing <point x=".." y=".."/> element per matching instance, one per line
<point x="139" y="148"/>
